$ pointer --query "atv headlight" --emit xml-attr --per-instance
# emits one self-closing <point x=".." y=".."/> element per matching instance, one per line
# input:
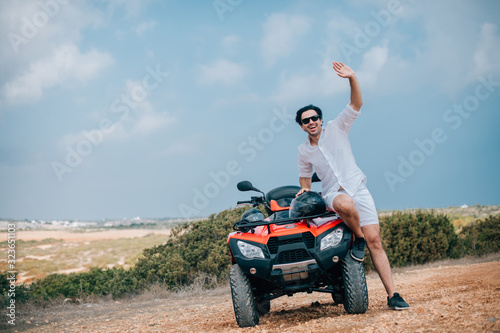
<point x="332" y="239"/>
<point x="250" y="251"/>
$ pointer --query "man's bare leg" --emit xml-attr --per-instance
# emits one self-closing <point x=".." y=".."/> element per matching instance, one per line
<point x="379" y="257"/>
<point x="344" y="205"/>
<point x="381" y="263"/>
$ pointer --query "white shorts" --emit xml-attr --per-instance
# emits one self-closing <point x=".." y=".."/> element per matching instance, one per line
<point x="364" y="204"/>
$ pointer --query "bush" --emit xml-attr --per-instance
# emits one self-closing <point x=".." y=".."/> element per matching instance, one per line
<point x="194" y="249"/>
<point x="417" y="238"/>
<point x="481" y="237"/>
<point x="96" y="282"/>
<point x="21" y="292"/>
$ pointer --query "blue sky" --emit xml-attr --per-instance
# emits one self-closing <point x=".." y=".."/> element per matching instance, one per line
<point x="112" y="109"/>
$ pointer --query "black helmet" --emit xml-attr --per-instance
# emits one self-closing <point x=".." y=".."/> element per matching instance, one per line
<point x="252" y="215"/>
<point x="307" y="204"/>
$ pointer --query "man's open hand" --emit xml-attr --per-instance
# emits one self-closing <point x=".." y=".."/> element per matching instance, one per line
<point x="302" y="190"/>
<point x="343" y="70"/>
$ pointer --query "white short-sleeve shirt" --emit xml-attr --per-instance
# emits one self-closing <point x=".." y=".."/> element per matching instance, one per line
<point x="332" y="158"/>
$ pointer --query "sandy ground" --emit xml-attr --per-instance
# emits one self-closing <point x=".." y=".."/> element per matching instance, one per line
<point x="69" y="236"/>
<point x="452" y="297"/>
<point x="73" y="261"/>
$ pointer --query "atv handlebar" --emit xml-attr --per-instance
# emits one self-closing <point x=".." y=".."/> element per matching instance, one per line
<point x="243" y="202"/>
<point x="255" y="201"/>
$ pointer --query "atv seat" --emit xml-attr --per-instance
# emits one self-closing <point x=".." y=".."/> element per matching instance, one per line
<point x="282" y="195"/>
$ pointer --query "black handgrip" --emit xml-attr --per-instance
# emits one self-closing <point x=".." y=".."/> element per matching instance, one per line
<point x="243" y="202"/>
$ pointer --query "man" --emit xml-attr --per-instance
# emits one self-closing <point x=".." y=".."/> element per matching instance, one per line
<point x="344" y="190"/>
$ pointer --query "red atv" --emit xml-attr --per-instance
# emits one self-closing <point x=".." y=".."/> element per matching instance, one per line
<point x="300" y="247"/>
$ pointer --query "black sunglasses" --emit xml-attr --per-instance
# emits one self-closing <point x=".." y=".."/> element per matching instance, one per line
<point x="305" y="121"/>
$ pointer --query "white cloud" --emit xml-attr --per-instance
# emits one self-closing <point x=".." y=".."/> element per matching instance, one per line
<point x="138" y="120"/>
<point x="143" y="27"/>
<point x="325" y="82"/>
<point x="452" y="50"/>
<point x="424" y="47"/>
<point x="65" y="64"/>
<point x="35" y="32"/>
<point x="306" y="86"/>
<point x="150" y="122"/>
<point x="373" y="62"/>
<point x="339" y="27"/>
<point x="230" y="43"/>
<point x="222" y="71"/>
<point x="282" y="33"/>
<point x="142" y="119"/>
<point x="486" y="56"/>
<point x="143" y="122"/>
<point x="296" y="87"/>
<point x="33" y="28"/>
<point x="115" y="132"/>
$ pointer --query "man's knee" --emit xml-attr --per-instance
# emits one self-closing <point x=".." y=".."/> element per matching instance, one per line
<point x="372" y="236"/>
<point x="344" y="204"/>
<point x="374" y="243"/>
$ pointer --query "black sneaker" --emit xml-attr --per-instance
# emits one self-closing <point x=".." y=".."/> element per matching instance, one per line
<point x="397" y="302"/>
<point x="358" y="249"/>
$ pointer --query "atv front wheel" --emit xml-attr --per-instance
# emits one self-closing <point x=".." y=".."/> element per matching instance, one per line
<point x="245" y="310"/>
<point x="355" y="289"/>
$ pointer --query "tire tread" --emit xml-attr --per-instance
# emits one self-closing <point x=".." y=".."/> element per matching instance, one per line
<point x="355" y="288"/>
<point x="245" y="310"/>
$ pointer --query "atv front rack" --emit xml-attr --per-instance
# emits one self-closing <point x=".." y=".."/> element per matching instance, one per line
<point x="245" y="226"/>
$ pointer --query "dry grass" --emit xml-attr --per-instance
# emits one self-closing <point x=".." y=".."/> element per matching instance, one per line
<point x="36" y="259"/>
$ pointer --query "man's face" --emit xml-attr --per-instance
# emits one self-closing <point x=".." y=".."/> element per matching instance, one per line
<point x="313" y="128"/>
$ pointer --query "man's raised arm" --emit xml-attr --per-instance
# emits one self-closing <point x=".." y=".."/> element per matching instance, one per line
<point x="346" y="72"/>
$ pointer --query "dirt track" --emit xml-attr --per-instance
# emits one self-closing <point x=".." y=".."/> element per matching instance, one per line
<point x="453" y="297"/>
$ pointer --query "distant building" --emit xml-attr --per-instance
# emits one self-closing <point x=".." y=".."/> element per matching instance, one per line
<point x="464" y="206"/>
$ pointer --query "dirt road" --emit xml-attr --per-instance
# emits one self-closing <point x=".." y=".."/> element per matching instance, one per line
<point x="453" y="297"/>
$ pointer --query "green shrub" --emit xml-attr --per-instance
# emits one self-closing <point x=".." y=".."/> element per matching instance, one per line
<point x="481" y="237"/>
<point x="417" y="238"/>
<point x="193" y="249"/>
<point x="96" y="282"/>
<point x="21" y="293"/>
